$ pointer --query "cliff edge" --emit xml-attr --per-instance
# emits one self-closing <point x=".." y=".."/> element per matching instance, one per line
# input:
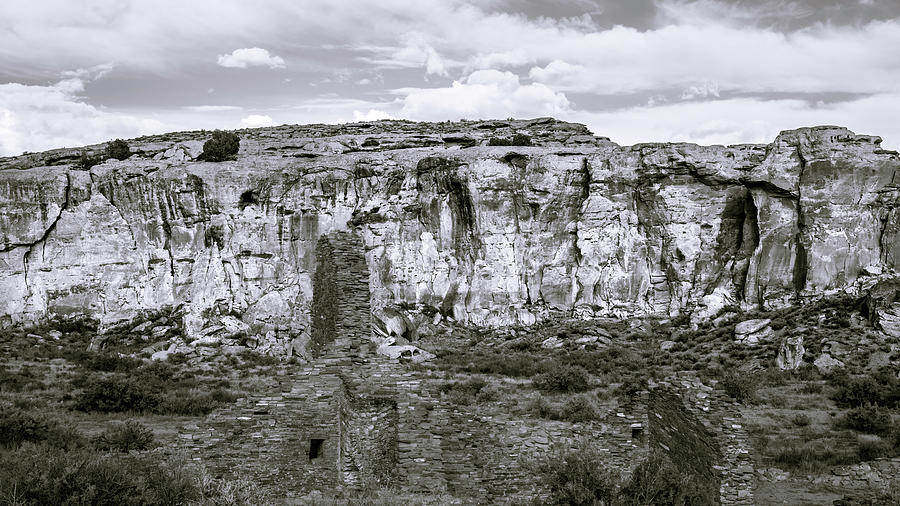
<point x="451" y="225"/>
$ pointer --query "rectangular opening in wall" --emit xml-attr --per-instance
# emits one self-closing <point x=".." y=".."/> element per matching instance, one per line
<point x="637" y="431"/>
<point x="315" y="448"/>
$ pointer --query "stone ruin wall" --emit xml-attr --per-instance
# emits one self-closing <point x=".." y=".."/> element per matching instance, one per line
<point x="381" y="425"/>
<point x="686" y="414"/>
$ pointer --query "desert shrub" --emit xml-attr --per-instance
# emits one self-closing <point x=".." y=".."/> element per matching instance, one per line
<point x="873" y="447"/>
<point x="812" y="457"/>
<point x="108" y="362"/>
<point x="539" y="406"/>
<point x="565" y="378"/>
<point x="253" y="359"/>
<point x="516" y="365"/>
<point x="193" y="403"/>
<point x="811" y="388"/>
<point x="882" y="388"/>
<point x="800" y="420"/>
<point x="463" y="392"/>
<point x="489" y="393"/>
<point x="772" y="377"/>
<point x="40" y="474"/>
<point x="238" y="492"/>
<point x="629" y="388"/>
<point x="124" y="437"/>
<point x="116" y="394"/>
<point x="86" y="160"/>
<point x="580" y="408"/>
<point x="516" y="140"/>
<point x="18" y="426"/>
<point x="118" y="149"/>
<point x="740" y="388"/>
<point x="222" y="146"/>
<point x="851" y="392"/>
<point x="577" y="477"/>
<point x="18" y="381"/>
<point x="658" y="481"/>
<point x="870" y="419"/>
<point x="808" y="372"/>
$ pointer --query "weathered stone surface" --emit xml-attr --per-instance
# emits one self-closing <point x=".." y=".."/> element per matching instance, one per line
<point x="826" y="363"/>
<point x="752" y="332"/>
<point x="480" y="234"/>
<point x="889" y="320"/>
<point x="790" y="354"/>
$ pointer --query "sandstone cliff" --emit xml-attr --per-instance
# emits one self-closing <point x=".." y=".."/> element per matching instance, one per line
<point x="485" y="234"/>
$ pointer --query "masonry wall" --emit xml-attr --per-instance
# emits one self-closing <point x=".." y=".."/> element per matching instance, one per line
<point x="267" y="439"/>
<point x="381" y="424"/>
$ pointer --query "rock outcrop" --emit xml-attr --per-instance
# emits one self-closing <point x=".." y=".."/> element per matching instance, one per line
<point x="753" y="331"/>
<point x="790" y="354"/>
<point x="451" y="226"/>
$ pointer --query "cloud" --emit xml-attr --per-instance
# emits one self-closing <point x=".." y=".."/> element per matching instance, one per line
<point x="250" y="57"/>
<point x="37" y="118"/>
<point x="213" y="108"/>
<point x="483" y="94"/>
<point x="820" y="59"/>
<point x="256" y="121"/>
<point x="415" y="53"/>
<point x="742" y="120"/>
<point x="710" y="89"/>
<point x="371" y="115"/>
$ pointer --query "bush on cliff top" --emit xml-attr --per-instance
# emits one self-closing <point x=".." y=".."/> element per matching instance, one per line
<point x="118" y="149"/>
<point x="222" y="146"/>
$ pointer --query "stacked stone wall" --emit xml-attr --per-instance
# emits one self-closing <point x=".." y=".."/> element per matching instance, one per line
<point x="380" y="424"/>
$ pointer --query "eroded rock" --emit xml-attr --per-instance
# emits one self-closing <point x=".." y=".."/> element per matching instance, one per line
<point x="826" y="363"/>
<point x="751" y="332"/>
<point x="477" y="234"/>
<point x="790" y="354"/>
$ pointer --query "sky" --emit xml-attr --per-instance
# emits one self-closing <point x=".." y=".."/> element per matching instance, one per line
<point x="76" y="72"/>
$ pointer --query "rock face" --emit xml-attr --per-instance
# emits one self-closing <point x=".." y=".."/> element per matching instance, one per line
<point x="484" y="234"/>
<point x="790" y="354"/>
<point x="753" y="331"/>
<point x="889" y="320"/>
<point x="826" y="363"/>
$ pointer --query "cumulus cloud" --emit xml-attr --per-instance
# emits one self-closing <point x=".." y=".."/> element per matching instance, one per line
<point x="250" y="57"/>
<point x="371" y="115"/>
<point x="705" y="52"/>
<point x="36" y="118"/>
<point x="257" y="120"/>
<point x="820" y="59"/>
<point x="483" y="94"/>
<point x="742" y="120"/>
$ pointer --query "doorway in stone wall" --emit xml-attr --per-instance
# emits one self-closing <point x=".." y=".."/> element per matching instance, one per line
<point x="315" y="448"/>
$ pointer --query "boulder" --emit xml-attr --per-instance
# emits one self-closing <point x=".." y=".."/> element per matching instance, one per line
<point x="889" y="320"/>
<point x="157" y="346"/>
<point x="552" y="343"/>
<point x="299" y="345"/>
<point x="161" y="355"/>
<point x="790" y="355"/>
<point x="751" y="332"/>
<point x="826" y="363"/>
<point x="666" y="345"/>
<point x="407" y="352"/>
